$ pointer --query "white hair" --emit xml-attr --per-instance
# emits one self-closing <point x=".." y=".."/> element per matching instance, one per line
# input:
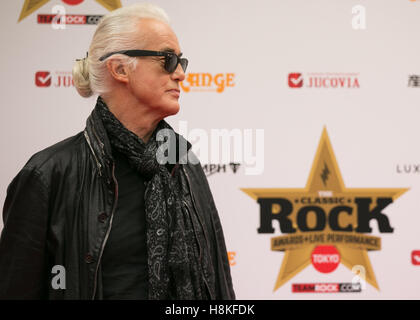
<point x="118" y="30"/>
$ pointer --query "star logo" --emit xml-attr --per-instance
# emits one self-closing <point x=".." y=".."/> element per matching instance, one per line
<point x="324" y="214"/>
<point x="32" y="5"/>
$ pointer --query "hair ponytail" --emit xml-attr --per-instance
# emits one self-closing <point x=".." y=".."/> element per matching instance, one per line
<point x="81" y="77"/>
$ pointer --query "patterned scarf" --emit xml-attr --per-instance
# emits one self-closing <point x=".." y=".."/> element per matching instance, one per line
<point x="174" y="269"/>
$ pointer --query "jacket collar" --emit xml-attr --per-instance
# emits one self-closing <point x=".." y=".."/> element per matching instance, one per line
<point x="100" y="146"/>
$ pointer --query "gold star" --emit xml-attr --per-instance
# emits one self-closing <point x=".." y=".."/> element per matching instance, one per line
<point x="30" y="6"/>
<point x="325" y="184"/>
<point x="110" y="4"/>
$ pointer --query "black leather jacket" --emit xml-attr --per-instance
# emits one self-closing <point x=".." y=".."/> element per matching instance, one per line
<point x="59" y="211"/>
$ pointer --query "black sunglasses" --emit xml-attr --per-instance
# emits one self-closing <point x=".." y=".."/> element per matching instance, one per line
<point x="171" y="59"/>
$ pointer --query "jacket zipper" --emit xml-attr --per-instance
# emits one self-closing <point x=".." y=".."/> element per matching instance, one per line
<point x="202" y="226"/>
<point x="94" y="155"/>
<point x="107" y="232"/>
<point x="99" y="140"/>
<point x="113" y="208"/>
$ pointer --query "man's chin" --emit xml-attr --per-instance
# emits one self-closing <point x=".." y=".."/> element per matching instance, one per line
<point x="172" y="109"/>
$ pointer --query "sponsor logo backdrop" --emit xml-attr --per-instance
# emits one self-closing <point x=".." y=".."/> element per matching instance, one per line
<point x="310" y="74"/>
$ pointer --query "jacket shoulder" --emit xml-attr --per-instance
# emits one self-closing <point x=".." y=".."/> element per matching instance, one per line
<point x="61" y="152"/>
<point x="196" y="173"/>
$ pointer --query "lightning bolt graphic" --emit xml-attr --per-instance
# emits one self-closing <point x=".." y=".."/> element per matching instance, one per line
<point x="325" y="173"/>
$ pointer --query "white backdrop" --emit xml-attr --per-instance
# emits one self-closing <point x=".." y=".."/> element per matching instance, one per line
<point x="373" y="126"/>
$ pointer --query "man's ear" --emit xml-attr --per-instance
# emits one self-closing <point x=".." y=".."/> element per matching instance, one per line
<point x="117" y="70"/>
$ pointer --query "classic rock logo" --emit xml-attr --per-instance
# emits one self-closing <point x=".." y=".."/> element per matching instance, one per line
<point x="325" y="223"/>
<point x="32" y="5"/>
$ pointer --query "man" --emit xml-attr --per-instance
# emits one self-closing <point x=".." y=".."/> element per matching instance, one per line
<point x="99" y="205"/>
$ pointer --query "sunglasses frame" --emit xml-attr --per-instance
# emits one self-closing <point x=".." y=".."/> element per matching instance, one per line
<point x="149" y="53"/>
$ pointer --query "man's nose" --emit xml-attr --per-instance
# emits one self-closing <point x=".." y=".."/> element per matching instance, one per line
<point x="179" y="73"/>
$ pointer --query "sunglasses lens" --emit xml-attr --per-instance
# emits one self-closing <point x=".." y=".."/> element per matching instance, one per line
<point x="171" y="63"/>
<point x="184" y="64"/>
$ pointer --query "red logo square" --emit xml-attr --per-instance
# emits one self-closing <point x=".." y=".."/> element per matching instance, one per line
<point x="43" y="79"/>
<point x="415" y="257"/>
<point x="295" y="80"/>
